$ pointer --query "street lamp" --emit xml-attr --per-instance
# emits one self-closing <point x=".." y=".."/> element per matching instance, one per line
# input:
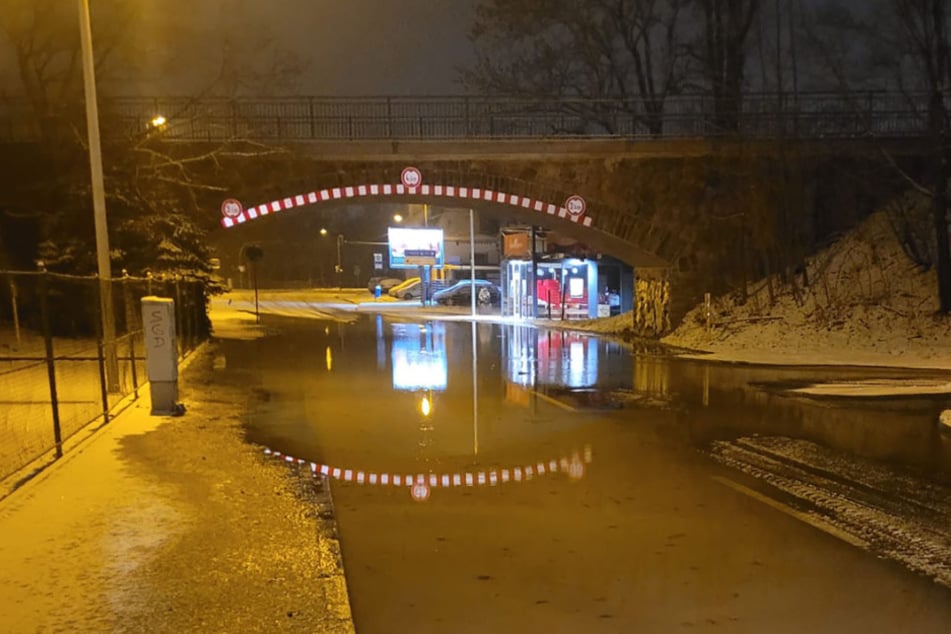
<point x="158" y="121"/>
<point x="98" y="197"/>
<point x="397" y="218"/>
<point x="338" y="268"/>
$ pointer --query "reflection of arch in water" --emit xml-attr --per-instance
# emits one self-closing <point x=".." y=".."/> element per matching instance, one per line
<point x="573" y="466"/>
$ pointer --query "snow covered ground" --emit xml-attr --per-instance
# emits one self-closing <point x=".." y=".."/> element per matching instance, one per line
<point x="871" y="505"/>
<point x="867" y="304"/>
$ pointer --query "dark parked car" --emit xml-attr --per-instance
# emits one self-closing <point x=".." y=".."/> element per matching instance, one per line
<point x="459" y="294"/>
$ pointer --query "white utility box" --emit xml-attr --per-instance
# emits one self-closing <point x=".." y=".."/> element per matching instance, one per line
<point x="161" y="354"/>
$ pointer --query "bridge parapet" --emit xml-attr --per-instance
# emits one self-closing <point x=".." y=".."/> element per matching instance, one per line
<point x="819" y="115"/>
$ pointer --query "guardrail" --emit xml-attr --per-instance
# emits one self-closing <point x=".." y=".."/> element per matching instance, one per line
<point x="762" y="115"/>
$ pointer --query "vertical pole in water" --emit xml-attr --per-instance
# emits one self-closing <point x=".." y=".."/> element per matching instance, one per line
<point x="475" y="393"/>
<point x="534" y="277"/>
<point x="706" y="386"/>
<point x="257" y="310"/>
<point x="472" y="289"/>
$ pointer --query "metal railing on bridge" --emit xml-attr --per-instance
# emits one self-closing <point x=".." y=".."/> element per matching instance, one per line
<point x="818" y="115"/>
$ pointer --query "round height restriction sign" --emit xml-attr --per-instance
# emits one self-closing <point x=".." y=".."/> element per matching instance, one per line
<point x="411" y="177"/>
<point x="420" y="491"/>
<point x="575" y="206"/>
<point x="231" y="208"/>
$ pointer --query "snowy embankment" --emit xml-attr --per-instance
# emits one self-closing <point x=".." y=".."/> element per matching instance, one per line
<point x="867" y="304"/>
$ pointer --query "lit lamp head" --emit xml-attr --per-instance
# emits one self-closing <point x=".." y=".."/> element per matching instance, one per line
<point x="158" y="121"/>
<point x="323" y="231"/>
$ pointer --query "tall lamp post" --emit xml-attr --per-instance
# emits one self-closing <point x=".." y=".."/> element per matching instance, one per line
<point x="338" y="268"/>
<point x="98" y="198"/>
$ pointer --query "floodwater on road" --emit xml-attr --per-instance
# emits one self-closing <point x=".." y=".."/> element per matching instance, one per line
<point x="505" y="478"/>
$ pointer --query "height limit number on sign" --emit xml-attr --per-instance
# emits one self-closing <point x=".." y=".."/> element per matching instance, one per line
<point x="411" y="177"/>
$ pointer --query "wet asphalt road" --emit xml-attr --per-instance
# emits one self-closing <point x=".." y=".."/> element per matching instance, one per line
<point x="637" y="528"/>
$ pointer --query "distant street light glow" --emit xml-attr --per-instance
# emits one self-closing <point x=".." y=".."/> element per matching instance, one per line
<point x="158" y="121"/>
<point x="397" y="218"/>
<point x="323" y="231"/>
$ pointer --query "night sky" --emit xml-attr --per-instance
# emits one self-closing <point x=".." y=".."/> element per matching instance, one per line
<point x="356" y="47"/>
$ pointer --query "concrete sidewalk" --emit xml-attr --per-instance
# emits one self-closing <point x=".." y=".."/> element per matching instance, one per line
<point x="172" y="525"/>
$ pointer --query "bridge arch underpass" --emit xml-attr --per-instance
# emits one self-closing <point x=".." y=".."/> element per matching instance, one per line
<point x="603" y="229"/>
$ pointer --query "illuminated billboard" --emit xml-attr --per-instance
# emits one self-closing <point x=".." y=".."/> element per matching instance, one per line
<point x="410" y="247"/>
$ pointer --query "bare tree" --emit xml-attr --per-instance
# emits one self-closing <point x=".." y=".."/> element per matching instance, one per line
<point x="903" y="44"/>
<point x="924" y="27"/>
<point x="159" y="194"/>
<point x="721" y="50"/>
<point x="627" y="51"/>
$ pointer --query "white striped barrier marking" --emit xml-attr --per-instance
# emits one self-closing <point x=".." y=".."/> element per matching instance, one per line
<point x="439" y="191"/>
<point x="573" y="466"/>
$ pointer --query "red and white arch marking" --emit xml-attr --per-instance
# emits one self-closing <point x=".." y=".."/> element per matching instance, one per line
<point x="449" y="192"/>
<point x="420" y="483"/>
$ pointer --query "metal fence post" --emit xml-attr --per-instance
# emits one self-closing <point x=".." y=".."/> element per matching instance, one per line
<point x="178" y="319"/>
<point x="468" y="120"/>
<point x="130" y="328"/>
<point x="389" y="117"/>
<point x="16" y="312"/>
<point x="135" y="374"/>
<point x="50" y="363"/>
<point x="189" y="316"/>
<point x="313" y="123"/>
<point x="103" y="392"/>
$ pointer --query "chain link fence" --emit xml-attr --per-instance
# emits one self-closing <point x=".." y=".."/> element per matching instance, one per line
<point x="58" y="374"/>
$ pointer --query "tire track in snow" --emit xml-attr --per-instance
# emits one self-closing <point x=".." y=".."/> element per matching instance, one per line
<point x="908" y="526"/>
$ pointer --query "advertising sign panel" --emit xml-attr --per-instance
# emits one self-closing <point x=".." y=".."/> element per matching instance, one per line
<point x="410" y="247"/>
<point x="516" y="245"/>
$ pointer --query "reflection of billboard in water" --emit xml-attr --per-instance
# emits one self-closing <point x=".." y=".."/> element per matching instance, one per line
<point x="419" y="357"/>
<point x="410" y="248"/>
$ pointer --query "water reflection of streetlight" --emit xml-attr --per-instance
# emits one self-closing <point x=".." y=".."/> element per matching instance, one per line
<point x="426" y="405"/>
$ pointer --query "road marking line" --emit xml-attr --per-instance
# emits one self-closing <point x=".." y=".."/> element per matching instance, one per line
<point x="554" y="401"/>
<point x="811" y="520"/>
